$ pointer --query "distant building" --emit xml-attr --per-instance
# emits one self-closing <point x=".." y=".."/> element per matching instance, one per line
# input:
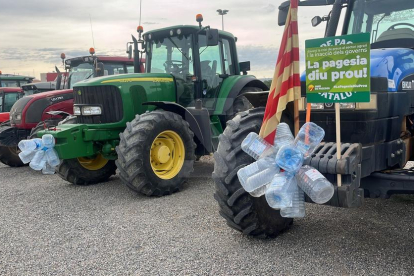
<point x="46" y="77"/>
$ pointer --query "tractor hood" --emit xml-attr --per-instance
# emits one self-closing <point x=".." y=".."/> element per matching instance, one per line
<point x="126" y="78"/>
<point x="394" y="64"/>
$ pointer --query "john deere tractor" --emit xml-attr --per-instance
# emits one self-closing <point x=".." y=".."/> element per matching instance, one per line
<point x="152" y="126"/>
<point x="377" y="136"/>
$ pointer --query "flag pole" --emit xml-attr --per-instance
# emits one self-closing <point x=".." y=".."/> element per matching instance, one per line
<point x="338" y="139"/>
<point x="296" y="115"/>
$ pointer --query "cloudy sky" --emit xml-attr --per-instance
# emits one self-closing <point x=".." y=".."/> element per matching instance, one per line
<point x="35" y="32"/>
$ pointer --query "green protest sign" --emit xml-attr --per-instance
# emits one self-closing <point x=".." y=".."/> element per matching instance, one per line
<point x="338" y="69"/>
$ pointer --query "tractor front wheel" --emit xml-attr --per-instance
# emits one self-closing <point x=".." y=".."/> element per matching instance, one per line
<point x="249" y="215"/>
<point x="10" y="156"/>
<point x="85" y="170"/>
<point x="156" y="153"/>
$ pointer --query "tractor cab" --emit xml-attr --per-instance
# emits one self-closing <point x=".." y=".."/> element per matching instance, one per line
<point x="199" y="59"/>
<point x="10" y="80"/>
<point x="86" y="67"/>
<point x="391" y="23"/>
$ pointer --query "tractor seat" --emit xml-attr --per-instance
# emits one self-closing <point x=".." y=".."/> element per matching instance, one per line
<point x="402" y="33"/>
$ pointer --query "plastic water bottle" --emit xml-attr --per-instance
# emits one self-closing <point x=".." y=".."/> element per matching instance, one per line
<point x="280" y="193"/>
<point x="289" y="158"/>
<point x="27" y="156"/>
<point x="256" y="184"/>
<point x="48" y="141"/>
<point x="254" y="168"/>
<point x="309" y="137"/>
<point x="38" y="161"/>
<point x="256" y="147"/>
<point x="30" y="145"/>
<point x="283" y="135"/>
<point x="297" y="210"/>
<point x="315" y="185"/>
<point x="52" y="157"/>
<point x="48" y="169"/>
<point x="260" y="191"/>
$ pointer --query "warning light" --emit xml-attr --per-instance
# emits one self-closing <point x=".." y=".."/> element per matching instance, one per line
<point x="62" y="56"/>
<point x="91" y="51"/>
<point x="199" y="18"/>
<point x="140" y="29"/>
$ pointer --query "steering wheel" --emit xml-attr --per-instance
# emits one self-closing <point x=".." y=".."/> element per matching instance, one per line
<point x="174" y="66"/>
<point x="400" y="24"/>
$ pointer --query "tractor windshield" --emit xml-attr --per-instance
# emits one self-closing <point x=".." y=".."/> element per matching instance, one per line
<point x="82" y="71"/>
<point x="9" y="83"/>
<point x="388" y="21"/>
<point x="172" y="55"/>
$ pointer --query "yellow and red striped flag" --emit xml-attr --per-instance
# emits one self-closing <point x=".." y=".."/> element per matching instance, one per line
<point x="286" y="79"/>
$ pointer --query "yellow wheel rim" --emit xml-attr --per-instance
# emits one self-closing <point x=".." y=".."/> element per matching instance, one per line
<point x="167" y="154"/>
<point x="93" y="164"/>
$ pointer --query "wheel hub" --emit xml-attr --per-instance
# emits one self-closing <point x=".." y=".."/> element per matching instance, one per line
<point x="167" y="154"/>
<point x="93" y="164"/>
<point x="162" y="154"/>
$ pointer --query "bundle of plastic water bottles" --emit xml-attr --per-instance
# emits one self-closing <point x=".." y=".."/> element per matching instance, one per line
<point x="40" y="153"/>
<point x="278" y="172"/>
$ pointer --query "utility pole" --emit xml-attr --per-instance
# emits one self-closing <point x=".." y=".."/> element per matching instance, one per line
<point x="222" y="13"/>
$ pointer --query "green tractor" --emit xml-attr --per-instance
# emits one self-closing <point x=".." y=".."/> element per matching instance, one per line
<point x="153" y="126"/>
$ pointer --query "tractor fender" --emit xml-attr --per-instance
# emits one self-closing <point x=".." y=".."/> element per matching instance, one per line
<point x="236" y="87"/>
<point x="203" y="138"/>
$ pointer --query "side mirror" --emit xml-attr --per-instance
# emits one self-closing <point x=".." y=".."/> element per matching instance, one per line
<point x="244" y="67"/>
<point x="100" y="69"/>
<point x="212" y="37"/>
<point x="316" y="21"/>
<point x="129" y="52"/>
<point x="283" y="13"/>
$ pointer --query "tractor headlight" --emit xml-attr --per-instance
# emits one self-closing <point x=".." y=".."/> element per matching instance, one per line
<point x="76" y="110"/>
<point x="91" y="110"/>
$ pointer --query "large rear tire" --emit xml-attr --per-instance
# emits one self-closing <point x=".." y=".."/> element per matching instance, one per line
<point x="87" y="170"/>
<point x="156" y="153"/>
<point x="249" y="215"/>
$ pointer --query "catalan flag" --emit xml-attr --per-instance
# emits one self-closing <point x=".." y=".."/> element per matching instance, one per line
<point x="286" y="80"/>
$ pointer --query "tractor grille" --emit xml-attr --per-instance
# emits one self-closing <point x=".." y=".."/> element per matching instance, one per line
<point x="108" y="97"/>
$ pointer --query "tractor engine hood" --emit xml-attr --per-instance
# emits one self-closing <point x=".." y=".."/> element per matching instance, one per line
<point x="126" y="78"/>
<point x="393" y="64"/>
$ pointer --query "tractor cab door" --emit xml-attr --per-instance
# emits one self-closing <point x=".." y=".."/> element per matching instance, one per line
<point x="216" y="63"/>
<point x="174" y="55"/>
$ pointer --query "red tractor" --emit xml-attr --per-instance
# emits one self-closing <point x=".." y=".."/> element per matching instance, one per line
<point x="32" y="113"/>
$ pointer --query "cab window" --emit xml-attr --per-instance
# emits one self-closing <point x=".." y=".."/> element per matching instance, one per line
<point x="210" y="61"/>
<point x="9" y="100"/>
<point x="228" y="63"/>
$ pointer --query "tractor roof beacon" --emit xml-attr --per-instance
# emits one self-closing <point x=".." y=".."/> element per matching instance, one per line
<point x="377" y="136"/>
<point x="37" y="110"/>
<point x="155" y="124"/>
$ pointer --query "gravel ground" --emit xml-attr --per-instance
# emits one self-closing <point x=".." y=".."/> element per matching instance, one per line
<point x="50" y="227"/>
